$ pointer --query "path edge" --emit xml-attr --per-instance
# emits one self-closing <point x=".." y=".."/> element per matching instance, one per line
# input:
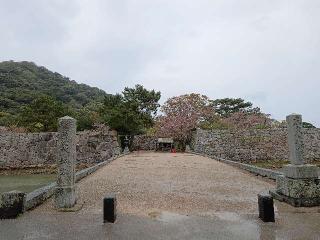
<point x="264" y="172"/>
<point x="38" y="196"/>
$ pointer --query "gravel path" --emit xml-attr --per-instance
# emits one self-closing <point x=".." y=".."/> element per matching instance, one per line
<point x="167" y="196"/>
<point x="147" y="183"/>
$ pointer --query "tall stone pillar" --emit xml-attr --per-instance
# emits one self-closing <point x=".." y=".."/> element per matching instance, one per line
<point x="295" y="139"/>
<point x="300" y="184"/>
<point x="65" y="196"/>
<point x="297" y="169"/>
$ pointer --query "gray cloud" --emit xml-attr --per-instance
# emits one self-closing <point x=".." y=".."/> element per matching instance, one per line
<point x="264" y="51"/>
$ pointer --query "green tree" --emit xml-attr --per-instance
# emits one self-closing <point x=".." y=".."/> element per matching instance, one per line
<point x="88" y="116"/>
<point x="307" y="125"/>
<point x="145" y="102"/>
<point x="6" y="119"/>
<point x="131" y="112"/>
<point x="42" y="114"/>
<point x="120" y="115"/>
<point x="227" y="106"/>
<point x="22" y="82"/>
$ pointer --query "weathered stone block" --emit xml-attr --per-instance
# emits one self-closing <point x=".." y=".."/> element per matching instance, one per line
<point x="296" y="202"/>
<point x="38" y="196"/>
<point x="300" y="185"/>
<point x="65" y="197"/>
<point x="12" y="204"/>
<point x="144" y="142"/>
<point x="301" y="171"/>
<point x="298" y="188"/>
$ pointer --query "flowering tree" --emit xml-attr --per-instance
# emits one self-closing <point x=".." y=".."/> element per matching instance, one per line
<point x="183" y="114"/>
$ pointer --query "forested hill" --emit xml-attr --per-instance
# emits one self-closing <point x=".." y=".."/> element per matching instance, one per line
<point x="21" y="82"/>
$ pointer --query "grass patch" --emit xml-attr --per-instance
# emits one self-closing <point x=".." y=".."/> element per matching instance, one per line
<point x="271" y="164"/>
<point x="276" y="164"/>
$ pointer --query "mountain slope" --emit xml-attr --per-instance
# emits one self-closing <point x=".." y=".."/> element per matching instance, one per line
<point x="21" y="82"/>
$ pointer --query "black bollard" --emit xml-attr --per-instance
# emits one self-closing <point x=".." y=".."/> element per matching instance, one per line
<point x="266" y="209"/>
<point x="109" y="208"/>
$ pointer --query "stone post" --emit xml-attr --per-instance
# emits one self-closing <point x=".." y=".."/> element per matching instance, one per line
<point x="188" y="149"/>
<point x="297" y="168"/>
<point x="126" y="145"/>
<point x="65" y="196"/>
<point x="295" y="139"/>
<point x="300" y="184"/>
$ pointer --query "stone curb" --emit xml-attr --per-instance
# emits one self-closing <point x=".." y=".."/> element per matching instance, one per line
<point x="252" y="169"/>
<point x="38" y="196"/>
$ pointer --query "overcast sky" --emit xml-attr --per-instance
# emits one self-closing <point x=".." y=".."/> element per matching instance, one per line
<point x="265" y="51"/>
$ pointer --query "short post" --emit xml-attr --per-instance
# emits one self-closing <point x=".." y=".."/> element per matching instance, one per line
<point x="188" y="149"/>
<point x="12" y="204"/>
<point x="266" y="209"/>
<point x="65" y="196"/>
<point x="126" y="150"/>
<point x="110" y="208"/>
<point x="126" y="145"/>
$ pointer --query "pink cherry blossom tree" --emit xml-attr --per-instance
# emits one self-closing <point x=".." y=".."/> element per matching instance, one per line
<point x="181" y="115"/>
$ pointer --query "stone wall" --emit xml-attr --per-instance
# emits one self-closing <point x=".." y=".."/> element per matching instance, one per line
<point x="26" y="149"/>
<point x="254" y="145"/>
<point x="143" y="142"/>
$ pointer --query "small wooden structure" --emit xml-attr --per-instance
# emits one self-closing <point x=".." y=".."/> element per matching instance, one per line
<point x="164" y="144"/>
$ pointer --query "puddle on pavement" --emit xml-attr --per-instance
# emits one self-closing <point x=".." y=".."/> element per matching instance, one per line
<point x="140" y="155"/>
<point x="167" y="217"/>
<point x="282" y="208"/>
<point x="228" y="216"/>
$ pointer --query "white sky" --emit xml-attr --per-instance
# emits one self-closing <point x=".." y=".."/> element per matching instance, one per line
<point x="265" y="51"/>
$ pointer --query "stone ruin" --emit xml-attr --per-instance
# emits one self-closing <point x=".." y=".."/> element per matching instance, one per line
<point x="23" y="150"/>
<point x="300" y="184"/>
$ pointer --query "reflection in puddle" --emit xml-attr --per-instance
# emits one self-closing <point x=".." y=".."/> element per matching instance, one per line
<point x="228" y="216"/>
<point x="167" y="216"/>
<point x="247" y="228"/>
<point x="267" y="231"/>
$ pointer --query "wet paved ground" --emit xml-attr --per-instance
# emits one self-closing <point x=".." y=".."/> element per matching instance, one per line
<point x="168" y="196"/>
